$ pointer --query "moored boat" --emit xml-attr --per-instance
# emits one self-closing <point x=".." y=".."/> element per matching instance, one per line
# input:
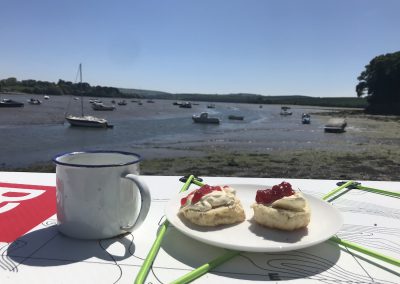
<point x="235" y="117"/>
<point x="102" y="106"/>
<point x="204" y="118"/>
<point x="186" y="105"/>
<point x="305" y="118"/>
<point x="33" y="101"/>
<point x="335" y="125"/>
<point x="285" y="111"/>
<point x="10" y="103"/>
<point x="86" y="120"/>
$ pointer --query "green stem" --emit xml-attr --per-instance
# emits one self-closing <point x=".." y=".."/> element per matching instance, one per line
<point x="205" y="268"/>
<point x="144" y="270"/>
<point x="366" y="251"/>
<point x="380" y="191"/>
<point x="332" y="192"/>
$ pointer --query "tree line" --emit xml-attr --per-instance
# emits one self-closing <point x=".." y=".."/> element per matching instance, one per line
<point x="60" y="88"/>
<point x="379" y="83"/>
<point x="378" y="88"/>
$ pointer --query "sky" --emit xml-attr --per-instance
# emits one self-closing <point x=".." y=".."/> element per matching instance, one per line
<point x="270" y="47"/>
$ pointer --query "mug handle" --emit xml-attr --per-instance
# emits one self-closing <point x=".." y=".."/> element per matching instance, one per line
<point x="145" y="201"/>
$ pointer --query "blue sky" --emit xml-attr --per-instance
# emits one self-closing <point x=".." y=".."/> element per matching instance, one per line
<point x="281" y="47"/>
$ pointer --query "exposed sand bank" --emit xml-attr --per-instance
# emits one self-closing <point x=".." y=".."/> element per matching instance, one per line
<point x="375" y="155"/>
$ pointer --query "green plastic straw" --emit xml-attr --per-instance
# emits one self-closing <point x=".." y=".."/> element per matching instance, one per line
<point x="366" y="251"/>
<point x="205" y="268"/>
<point x="336" y="190"/>
<point x="379" y="191"/>
<point x="144" y="270"/>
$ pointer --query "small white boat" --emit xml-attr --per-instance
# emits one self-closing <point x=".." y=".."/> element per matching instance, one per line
<point x="285" y="111"/>
<point x="185" y="105"/>
<point x="305" y="118"/>
<point x="102" y="106"/>
<point x="335" y="125"/>
<point x="204" y="118"/>
<point x="33" y="101"/>
<point x="86" y="120"/>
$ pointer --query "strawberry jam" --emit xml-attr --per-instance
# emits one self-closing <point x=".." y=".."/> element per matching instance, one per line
<point x="267" y="196"/>
<point x="199" y="193"/>
<point x="184" y="200"/>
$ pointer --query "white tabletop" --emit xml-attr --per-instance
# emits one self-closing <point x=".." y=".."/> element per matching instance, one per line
<point x="43" y="255"/>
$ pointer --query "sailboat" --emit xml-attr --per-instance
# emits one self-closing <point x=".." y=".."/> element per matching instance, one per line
<point x="86" y="120"/>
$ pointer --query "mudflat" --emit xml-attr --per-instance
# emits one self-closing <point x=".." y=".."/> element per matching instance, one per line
<point x="268" y="146"/>
<point x="376" y="158"/>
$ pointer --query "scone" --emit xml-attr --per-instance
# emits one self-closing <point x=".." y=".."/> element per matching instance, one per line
<point x="281" y="208"/>
<point x="212" y="206"/>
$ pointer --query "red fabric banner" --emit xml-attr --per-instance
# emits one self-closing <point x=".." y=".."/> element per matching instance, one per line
<point x="23" y="207"/>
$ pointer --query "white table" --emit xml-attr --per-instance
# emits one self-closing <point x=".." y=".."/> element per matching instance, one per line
<point x="45" y="256"/>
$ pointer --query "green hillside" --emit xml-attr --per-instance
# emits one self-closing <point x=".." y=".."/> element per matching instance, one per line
<point x="252" y="98"/>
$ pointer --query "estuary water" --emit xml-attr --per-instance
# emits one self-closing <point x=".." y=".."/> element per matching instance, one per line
<point x="35" y="134"/>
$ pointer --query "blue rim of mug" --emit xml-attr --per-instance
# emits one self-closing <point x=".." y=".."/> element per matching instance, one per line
<point x="138" y="159"/>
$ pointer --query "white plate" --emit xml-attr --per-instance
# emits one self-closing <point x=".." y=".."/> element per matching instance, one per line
<point x="249" y="236"/>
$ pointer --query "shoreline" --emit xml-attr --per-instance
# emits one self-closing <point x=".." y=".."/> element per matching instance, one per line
<point x="378" y="165"/>
<point x="369" y="150"/>
<point x="303" y="164"/>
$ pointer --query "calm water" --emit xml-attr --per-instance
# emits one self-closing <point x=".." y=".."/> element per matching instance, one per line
<point x="157" y="128"/>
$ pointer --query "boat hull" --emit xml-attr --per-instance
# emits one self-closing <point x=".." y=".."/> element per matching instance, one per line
<point x="334" y="129"/>
<point x="11" y="103"/>
<point x="335" y="125"/>
<point x="235" y="117"/>
<point x="87" y="123"/>
<point x="208" y="120"/>
<point x="103" y="108"/>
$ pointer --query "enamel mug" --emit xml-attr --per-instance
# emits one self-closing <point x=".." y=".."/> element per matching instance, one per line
<point x="100" y="194"/>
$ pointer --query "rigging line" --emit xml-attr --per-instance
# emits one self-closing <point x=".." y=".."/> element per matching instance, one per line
<point x="71" y="95"/>
<point x="76" y="76"/>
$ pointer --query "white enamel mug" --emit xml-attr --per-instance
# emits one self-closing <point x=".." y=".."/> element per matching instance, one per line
<point x="99" y="194"/>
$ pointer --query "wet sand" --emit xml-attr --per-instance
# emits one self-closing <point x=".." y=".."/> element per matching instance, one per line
<point x="368" y="150"/>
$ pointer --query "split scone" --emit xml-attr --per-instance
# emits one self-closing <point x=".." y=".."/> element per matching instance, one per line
<point x="212" y="206"/>
<point x="281" y="208"/>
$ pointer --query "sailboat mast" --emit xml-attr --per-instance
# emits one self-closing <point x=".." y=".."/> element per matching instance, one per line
<point x="80" y="80"/>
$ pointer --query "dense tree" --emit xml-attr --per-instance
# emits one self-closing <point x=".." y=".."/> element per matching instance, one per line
<point x="61" y="88"/>
<point x="9" y="81"/>
<point x="380" y="83"/>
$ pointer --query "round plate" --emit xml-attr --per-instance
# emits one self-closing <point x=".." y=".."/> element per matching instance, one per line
<point x="249" y="236"/>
